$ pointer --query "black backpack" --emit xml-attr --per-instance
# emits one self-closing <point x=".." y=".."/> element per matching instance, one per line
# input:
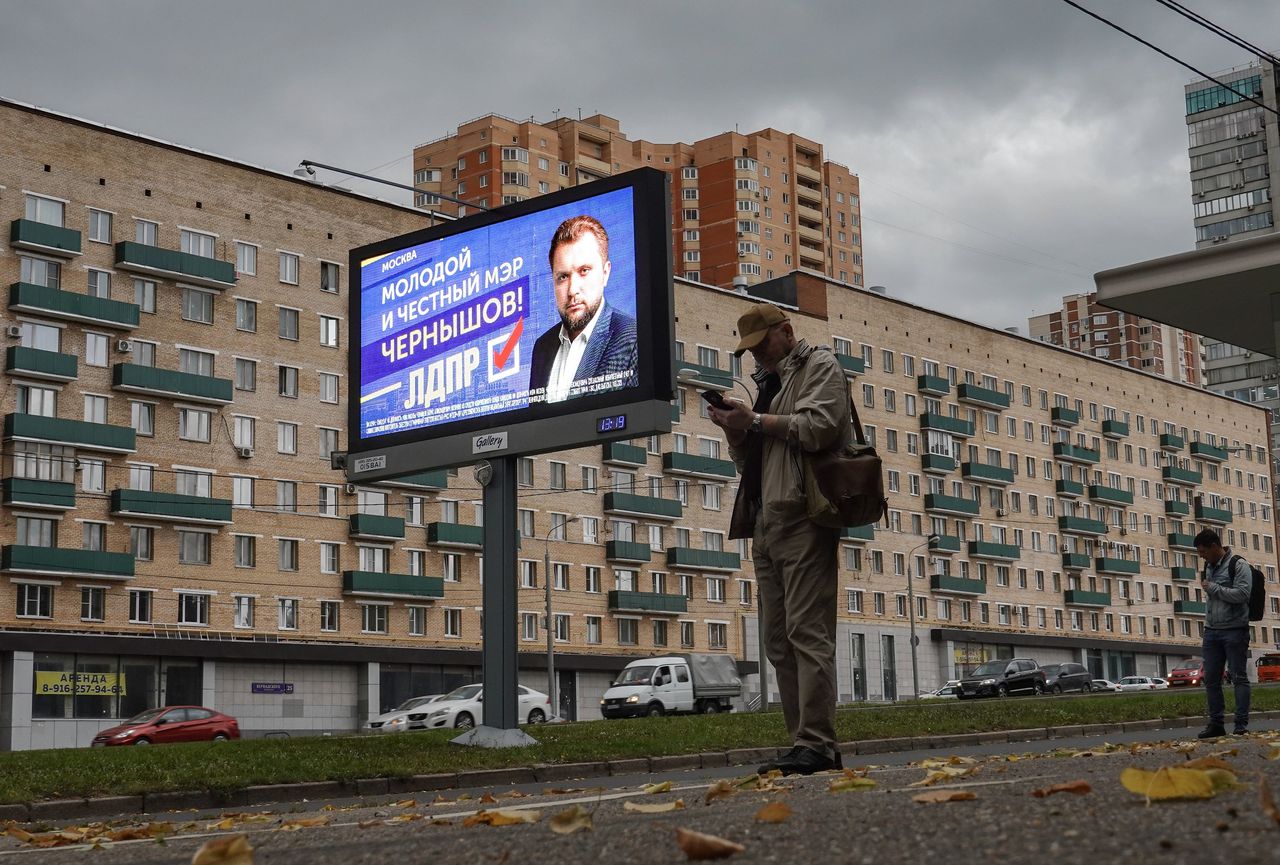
<point x="1257" y="592"/>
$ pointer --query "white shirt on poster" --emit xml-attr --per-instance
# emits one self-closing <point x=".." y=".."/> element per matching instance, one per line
<point x="567" y="360"/>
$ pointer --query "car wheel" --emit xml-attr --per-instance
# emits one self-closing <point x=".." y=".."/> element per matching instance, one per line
<point x="710" y="707"/>
<point x="655" y="710"/>
<point x="1002" y="691"/>
<point x="220" y="737"/>
<point x="1057" y="689"/>
<point x="464" y="721"/>
<point x="142" y="741"/>
<point x="1088" y="687"/>
<point x="537" y="716"/>
<point x="1037" y="687"/>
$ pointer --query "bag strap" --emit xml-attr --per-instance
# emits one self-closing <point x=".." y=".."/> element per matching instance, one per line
<point x="859" y="436"/>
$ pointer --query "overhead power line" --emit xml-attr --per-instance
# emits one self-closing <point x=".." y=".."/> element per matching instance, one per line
<point x="1220" y="31"/>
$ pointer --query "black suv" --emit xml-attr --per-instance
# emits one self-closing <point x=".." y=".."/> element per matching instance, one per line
<point x="1066" y="677"/>
<point x="1002" y="677"/>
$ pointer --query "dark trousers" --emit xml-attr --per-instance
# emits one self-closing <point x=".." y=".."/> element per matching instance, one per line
<point x="1226" y="647"/>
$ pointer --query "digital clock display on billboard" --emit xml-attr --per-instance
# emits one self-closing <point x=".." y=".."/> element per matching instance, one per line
<point x="535" y="311"/>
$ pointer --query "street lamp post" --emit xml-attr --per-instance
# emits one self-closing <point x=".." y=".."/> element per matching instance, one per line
<point x="551" y="646"/>
<point x="911" y="614"/>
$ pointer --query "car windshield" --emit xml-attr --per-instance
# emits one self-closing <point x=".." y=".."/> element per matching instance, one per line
<point x="144" y="717"/>
<point x="1051" y="669"/>
<point x="991" y="668"/>
<point x="1269" y="661"/>
<point x="1187" y="665"/>
<point x="411" y="703"/>
<point x="635" y="676"/>
<point x="466" y="692"/>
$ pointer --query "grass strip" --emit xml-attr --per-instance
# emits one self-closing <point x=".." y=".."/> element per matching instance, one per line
<point x="27" y="776"/>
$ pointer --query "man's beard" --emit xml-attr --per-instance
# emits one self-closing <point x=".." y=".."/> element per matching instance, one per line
<point x="575" y="326"/>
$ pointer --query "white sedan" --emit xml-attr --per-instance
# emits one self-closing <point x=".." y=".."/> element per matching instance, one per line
<point x="1105" y="686"/>
<point x="1161" y="684"/>
<point x="1138" y="683"/>
<point x="397" y="720"/>
<point x="463" y="708"/>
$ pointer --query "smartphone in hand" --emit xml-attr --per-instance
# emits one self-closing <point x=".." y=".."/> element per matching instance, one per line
<point x="716" y="399"/>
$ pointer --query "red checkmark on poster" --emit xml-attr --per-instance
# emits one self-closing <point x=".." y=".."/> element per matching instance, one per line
<point x="500" y="358"/>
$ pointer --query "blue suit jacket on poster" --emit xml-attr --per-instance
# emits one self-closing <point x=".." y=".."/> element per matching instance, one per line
<point x="612" y="348"/>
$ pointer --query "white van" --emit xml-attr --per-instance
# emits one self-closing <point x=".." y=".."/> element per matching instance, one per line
<point x="673" y="683"/>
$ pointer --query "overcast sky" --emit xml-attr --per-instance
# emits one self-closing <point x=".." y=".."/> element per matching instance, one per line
<point x="1007" y="149"/>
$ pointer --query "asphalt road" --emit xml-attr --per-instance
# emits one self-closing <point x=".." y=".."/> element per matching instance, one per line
<point x="1004" y="823"/>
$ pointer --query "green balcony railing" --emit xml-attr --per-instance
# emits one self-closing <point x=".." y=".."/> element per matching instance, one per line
<point x="950" y="505"/>
<point x="933" y="385"/>
<point x="647" y="602"/>
<point x="59" y="562"/>
<point x="988" y="473"/>
<point x="39" y="237"/>
<point x="71" y="306"/>
<point x="172" y="264"/>
<point x="1208" y="452"/>
<point x="946" y="544"/>
<point x="990" y="550"/>
<point x="1081" y="526"/>
<point x="937" y="463"/>
<point x="852" y="366"/>
<point x="708" y="560"/>
<point x="432" y="480"/>
<point x="1174" y="508"/>
<point x="1071" y="489"/>
<point x="705" y="377"/>
<point x="171" y="383"/>
<point x="1064" y="416"/>
<point x="376" y="583"/>
<point x="1115" y="429"/>
<point x="1177" y="475"/>
<point x="1171" y="442"/>
<point x="170" y="506"/>
<point x="1218" y="516"/>
<point x="677" y="463"/>
<point x="80" y="434"/>
<point x="643" y="506"/>
<point x="1074" y="453"/>
<point x="627" y="551"/>
<point x="949" y="585"/>
<point x="942" y="423"/>
<point x="982" y="396"/>
<point x="1075" y="561"/>
<point x="1081" y="598"/>
<point x="375" y="526"/>
<point x="1108" y="565"/>
<point x="32" y="493"/>
<point x="1188" y="608"/>
<point x="623" y="454"/>
<point x="1110" y="495"/>
<point x="1182" y="574"/>
<point x="37" y="363"/>
<point x="1181" y="541"/>
<point x="858" y="533"/>
<point x="455" y="535"/>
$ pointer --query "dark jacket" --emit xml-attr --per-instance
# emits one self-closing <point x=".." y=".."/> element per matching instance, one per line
<point x="611" y="349"/>
<point x="1230" y="583"/>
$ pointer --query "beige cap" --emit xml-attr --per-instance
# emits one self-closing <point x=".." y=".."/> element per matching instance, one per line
<point x="754" y="324"/>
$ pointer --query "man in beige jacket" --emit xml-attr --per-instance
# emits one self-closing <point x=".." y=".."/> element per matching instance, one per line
<point x="802" y="406"/>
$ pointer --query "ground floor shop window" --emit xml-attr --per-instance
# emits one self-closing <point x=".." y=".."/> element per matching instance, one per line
<point x="111" y="686"/>
<point x="399" y="682"/>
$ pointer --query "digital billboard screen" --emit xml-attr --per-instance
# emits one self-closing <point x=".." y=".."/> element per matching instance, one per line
<point x="552" y="309"/>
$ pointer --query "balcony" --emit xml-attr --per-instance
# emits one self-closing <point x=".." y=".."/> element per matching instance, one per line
<point x="1188" y="608"/>
<point x="172" y="264"/>
<point x="698" y="466"/>
<point x="1074" y="453"/>
<point x="1208" y="452"/>
<point x="1110" y="495"/>
<point x="627" y="551"/>
<point x="852" y="366"/>
<point x="807" y="232"/>
<point x="939" y="503"/>
<point x="1184" y="575"/>
<point x="1176" y="475"/>
<point x="77" y="433"/>
<point x="623" y="454"/>
<point x="986" y="473"/>
<point x="946" y="545"/>
<point x="173" y="507"/>
<point x="46" y="495"/>
<point x="933" y="385"/>
<point x="647" y="602"/>
<point x="70" y="306"/>
<point x="649" y="507"/>
<point x="59" y="562"/>
<point x="1122" y="567"/>
<point x="171" y="384"/>
<point x="1070" y="489"/>
<point x="702" y="560"/>
<point x="379" y="585"/>
<point x="982" y="396"/>
<point x="705" y="377"/>
<point x="937" y="463"/>
<point x="37" y="363"/>
<point x="1115" y="429"/>
<point x="1081" y="598"/>
<point x="1064" y="416"/>
<point x="858" y="533"/>
<point x="947" y="585"/>
<point x="1081" y="526"/>
<point x="48" y="239"/>
<point x="455" y="535"/>
<point x="1217" y="516"/>
<point x="1075" y="561"/>
<point x="1176" y="508"/>
<point x="433" y="480"/>
<point x="990" y="550"/>
<point x="375" y="526"/>
<point x="1171" y="442"/>
<point x="1180" y="541"/>
<point x="942" y="423"/>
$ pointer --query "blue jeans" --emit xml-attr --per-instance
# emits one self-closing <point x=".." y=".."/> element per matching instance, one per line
<point x="1226" y="648"/>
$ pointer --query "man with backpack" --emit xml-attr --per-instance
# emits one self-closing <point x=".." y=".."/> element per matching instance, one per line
<point x="1227" y="582"/>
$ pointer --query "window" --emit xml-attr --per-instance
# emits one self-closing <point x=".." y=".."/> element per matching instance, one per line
<point x="95" y="408"/>
<point x="144" y="295"/>
<point x="48" y="211"/>
<point x="287" y="552"/>
<point x="197" y="305"/>
<point x="288" y="381"/>
<point x="246" y="374"/>
<point x="246" y="259"/>
<point x="39" y="271"/>
<point x="593" y="629"/>
<point x="139" y="607"/>
<point x="99" y="226"/>
<point x="242" y="611"/>
<point x="328" y="441"/>
<point x="330" y="557"/>
<point x="197" y="243"/>
<point x="93" y="603"/>
<point x="246" y="315"/>
<point x="288" y="323"/>
<point x="244" y="431"/>
<point x="628" y="632"/>
<point x="329" y="331"/>
<point x="287" y="618"/>
<point x="453" y="623"/>
<point x="329" y="273"/>
<point x="141" y="542"/>
<point x="287" y="496"/>
<point x="99" y="283"/>
<point x="286" y="437"/>
<point x="242" y="492"/>
<point x="193" y="608"/>
<point x="417" y="621"/>
<point x="289" y="268"/>
<point x="193" y="548"/>
<point x="452" y="567"/>
<point x="717" y="635"/>
<point x="246" y="551"/>
<point x="329" y="615"/>
<point x="193" y="424"/>
<point x="686" y="635"/>
<point x="373" y="618"/>
<point x="328" y="387"/>
<point x="34" y="601"/>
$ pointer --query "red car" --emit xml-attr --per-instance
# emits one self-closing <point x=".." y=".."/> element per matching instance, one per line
<point x="1191" y="672"/>
<point x="171" y="724"/>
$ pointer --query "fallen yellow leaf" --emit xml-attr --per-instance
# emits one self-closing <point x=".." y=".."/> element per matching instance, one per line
<point x="502" y="818"/>
<point x="774" y="812"/>
<point x="850" y="782"/>
<point x="697" y="845"/>
<point x="488" y="799"/>
<point x="369" y="824"/>
<point x="1275" y="753"/>
<point x="234" y="850"/>
<point x="664" y="787"/>
<point x="933" y="796"/>
<point x="1208" y="763"/>
<point x="719" y="790"/>
<point x="656" y="808"/>
<point x="304" y="823"/>
<point x="1169" y="783"/>
<point x="946" y="773"/>
<point x="1077" y="787"/>
<point x="405" y="818"/>
<point x="1268" y="803"/>
<point x="406" y="803"/>
<point x="573" y="819"/>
